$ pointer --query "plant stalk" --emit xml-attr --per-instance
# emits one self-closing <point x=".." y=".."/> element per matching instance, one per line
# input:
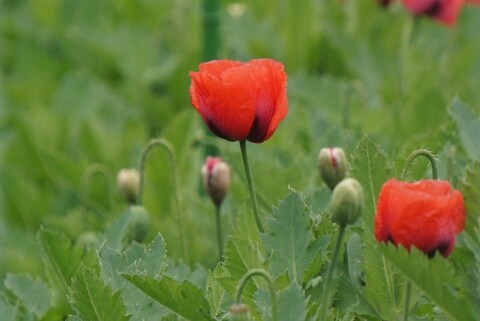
<point x="219" y="232"/>
<point x="407" y="300"/>
<point x="326" y="289"/>
<point x="251" y="187"/>
<point x="415" y="154"/>
<point x="267" y="277"/>
<point x="174" y="181"/>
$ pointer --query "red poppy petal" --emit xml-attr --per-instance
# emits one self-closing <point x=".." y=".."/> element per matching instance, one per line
<point x="272" y="103"/>
<point x="417" y="7"/>
<point x="215" y="68"/>
<point x="385" y="212"/>
<point x="227" y="105"/>
<point x="448" y="12"/>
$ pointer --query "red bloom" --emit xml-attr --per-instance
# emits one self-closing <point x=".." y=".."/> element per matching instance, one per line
<point x="240" y="101"/>
<point x="444" y="11"/>
<point x="427" y="214"/>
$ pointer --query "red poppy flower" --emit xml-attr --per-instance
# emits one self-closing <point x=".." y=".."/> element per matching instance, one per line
<point x="240" y="101"/>
<point x="427" y="214"/>
<point x="444" y="11"/>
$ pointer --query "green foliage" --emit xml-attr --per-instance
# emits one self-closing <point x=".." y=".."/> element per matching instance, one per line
<point x="34" y="294"/>
<point x="289" y="239"/>
<point x="80" y="90"/>
<point x="93" y="300"/>
<point x="184" y="298"/>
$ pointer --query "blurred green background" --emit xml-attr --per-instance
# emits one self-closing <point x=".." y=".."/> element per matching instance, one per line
<point x="90" y="82"/>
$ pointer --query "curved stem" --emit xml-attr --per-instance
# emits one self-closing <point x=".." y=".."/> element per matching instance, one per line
<point x="173" y="176"/>
<point x="91" y="170"/>
<point x="407" y="300"/>
<point x="421" y="152"/>
<point x="251" y="187"/>
<point x="219" y="232"/>
<point x="326" y="289"/>
<point x="267" y="277"/>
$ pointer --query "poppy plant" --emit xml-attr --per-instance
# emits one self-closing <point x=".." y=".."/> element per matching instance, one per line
<point x="443" y="11"/>
<point x="427" y="214"/>
<point x="240" y="101"/>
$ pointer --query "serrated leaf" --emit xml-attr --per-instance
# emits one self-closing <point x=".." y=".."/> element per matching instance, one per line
<point x="240" y="257"/>
<point x="95" y="301"/>
<point x="470" y="188"/>
<point x="288" y="238"/>
<point x="370" y="166"/>
<point x="434" y="277"/>
<point x="34" y="294"/>
<point x="60" y="256"/>
<point x="185" y="299"/>
<point x="468" y="125"/>
<point x="73" y="318"/>
<point x="134" y="260"/>
<point x="8" y="312"/>
<point x="218" y="298"/>
<point x="292" y="304"/>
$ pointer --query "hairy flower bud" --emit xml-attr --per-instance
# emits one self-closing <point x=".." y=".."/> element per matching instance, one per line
<point x="216" y="178"/>
<point x="332" y="164"/>
<point x="128" y="182"/>
<point x="138" y="224"/>
<point x="238" y="312"/>
<point x="347" y="202"/>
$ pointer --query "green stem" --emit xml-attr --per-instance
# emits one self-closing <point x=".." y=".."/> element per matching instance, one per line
<point x="253" y="196"/>
<point x="219" y="232"/>
<point x="91" y="170"/>
<point x="326" y="289"/>
<point x="415" y="154"/>
<point x="407" y="300"/>
<point x="174" y="181"/>
<point x="211" y="29"/>
<point x="266" y="276"/>
<point x="347" y="97"/>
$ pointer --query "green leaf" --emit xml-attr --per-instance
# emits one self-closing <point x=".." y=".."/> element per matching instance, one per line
<point x="292" y="304"/>
<point x="150" y="260"/>
<point x="34" y="294"/>
<point x="434" y="277"/>
<point x="8" y="312"/>
<point x="184" y="298"/>
<point x="60" y="257"/>
<point x="470" y="188"/>
<point x="73" y="318"/>
<point x="218" y="298"/>
<point x="288" y="238"/>
<point x="95" y="301"/>
<point x="370" y="166"/>
<point x="468" y="125"/>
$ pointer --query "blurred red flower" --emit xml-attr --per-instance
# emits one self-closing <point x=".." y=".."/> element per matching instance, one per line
<point x="427" y="214"/>
<point x="240" y="101"/>
<point x="444" y="11"/>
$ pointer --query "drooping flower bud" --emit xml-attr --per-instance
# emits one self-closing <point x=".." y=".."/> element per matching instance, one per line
<point x="332" y="164"/>
<point x="216" y="178"/>
<point x="238" y="312"/>
<point x="346" y="202"/>
<point x="128" y="182"/>
<point x="137" y="225"/>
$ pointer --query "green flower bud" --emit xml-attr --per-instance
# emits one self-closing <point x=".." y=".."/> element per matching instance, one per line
<point x="128" y="183"/>
<point x="138" y="224"/>
<point x="332" y="164"/>
<point x="238" y="312"/>
<point x="89" y="241"/>
<point x="216" y="178"/>
<point x="346" y="202"/>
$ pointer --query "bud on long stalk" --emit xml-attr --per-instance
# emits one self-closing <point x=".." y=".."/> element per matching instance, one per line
<point x="347" y="202"/>
<point x="128" y="183"/>
<point x="216" y="179"/>
<point x="238" y="312"/>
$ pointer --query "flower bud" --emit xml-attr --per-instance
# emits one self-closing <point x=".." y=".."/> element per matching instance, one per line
<point x="138" y="224"/>
<point x="347" y="202"/>
<point x="238" y="312"/>
<point x="128" y="182"/>
<point x="332" y="164"/>
<point x="216" y="178"/>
